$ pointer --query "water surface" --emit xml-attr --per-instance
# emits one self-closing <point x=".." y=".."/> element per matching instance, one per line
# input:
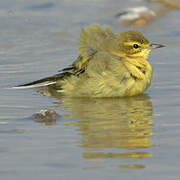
<point x="94" y="138"/>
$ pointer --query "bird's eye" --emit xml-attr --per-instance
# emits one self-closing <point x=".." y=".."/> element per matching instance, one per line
<point x="135" y="46"/>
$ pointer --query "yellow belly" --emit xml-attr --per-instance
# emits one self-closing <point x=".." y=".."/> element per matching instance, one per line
<point x="100" y="86"/>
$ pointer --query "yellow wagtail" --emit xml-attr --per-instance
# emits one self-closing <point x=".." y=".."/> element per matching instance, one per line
<point x="109" y="65"/>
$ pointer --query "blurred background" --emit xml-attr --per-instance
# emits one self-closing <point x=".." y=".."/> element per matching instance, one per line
<point x="89" y="138"/>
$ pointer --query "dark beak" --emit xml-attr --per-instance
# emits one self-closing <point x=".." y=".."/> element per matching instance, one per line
<point x="155" y="46"/>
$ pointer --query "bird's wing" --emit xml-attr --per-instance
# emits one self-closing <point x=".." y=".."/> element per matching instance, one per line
<point x="74" y="69"/>
<point x="93" y="39"/>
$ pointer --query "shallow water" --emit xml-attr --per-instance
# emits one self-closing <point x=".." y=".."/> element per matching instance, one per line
<point x="94" y="138"/>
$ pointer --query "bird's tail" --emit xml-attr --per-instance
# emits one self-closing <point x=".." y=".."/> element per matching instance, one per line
<point x="40" y="83"/>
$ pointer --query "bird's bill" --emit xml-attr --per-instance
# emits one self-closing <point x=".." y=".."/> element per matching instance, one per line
<point x="155" y="46"/>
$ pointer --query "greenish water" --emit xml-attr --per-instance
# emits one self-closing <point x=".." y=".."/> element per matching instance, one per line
<point x="94" y="138"/>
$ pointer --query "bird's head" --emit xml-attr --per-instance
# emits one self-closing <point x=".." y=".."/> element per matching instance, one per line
<point x="132" y="44"/>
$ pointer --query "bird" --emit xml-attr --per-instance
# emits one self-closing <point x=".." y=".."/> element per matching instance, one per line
<point x="109" y="65"/>
<point x="136" y="16"/>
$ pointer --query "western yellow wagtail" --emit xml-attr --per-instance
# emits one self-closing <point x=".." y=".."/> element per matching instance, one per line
<point x="109" y="65"/>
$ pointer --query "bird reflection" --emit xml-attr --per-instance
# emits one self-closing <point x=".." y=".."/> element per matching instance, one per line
<point x="124" y="124"/>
